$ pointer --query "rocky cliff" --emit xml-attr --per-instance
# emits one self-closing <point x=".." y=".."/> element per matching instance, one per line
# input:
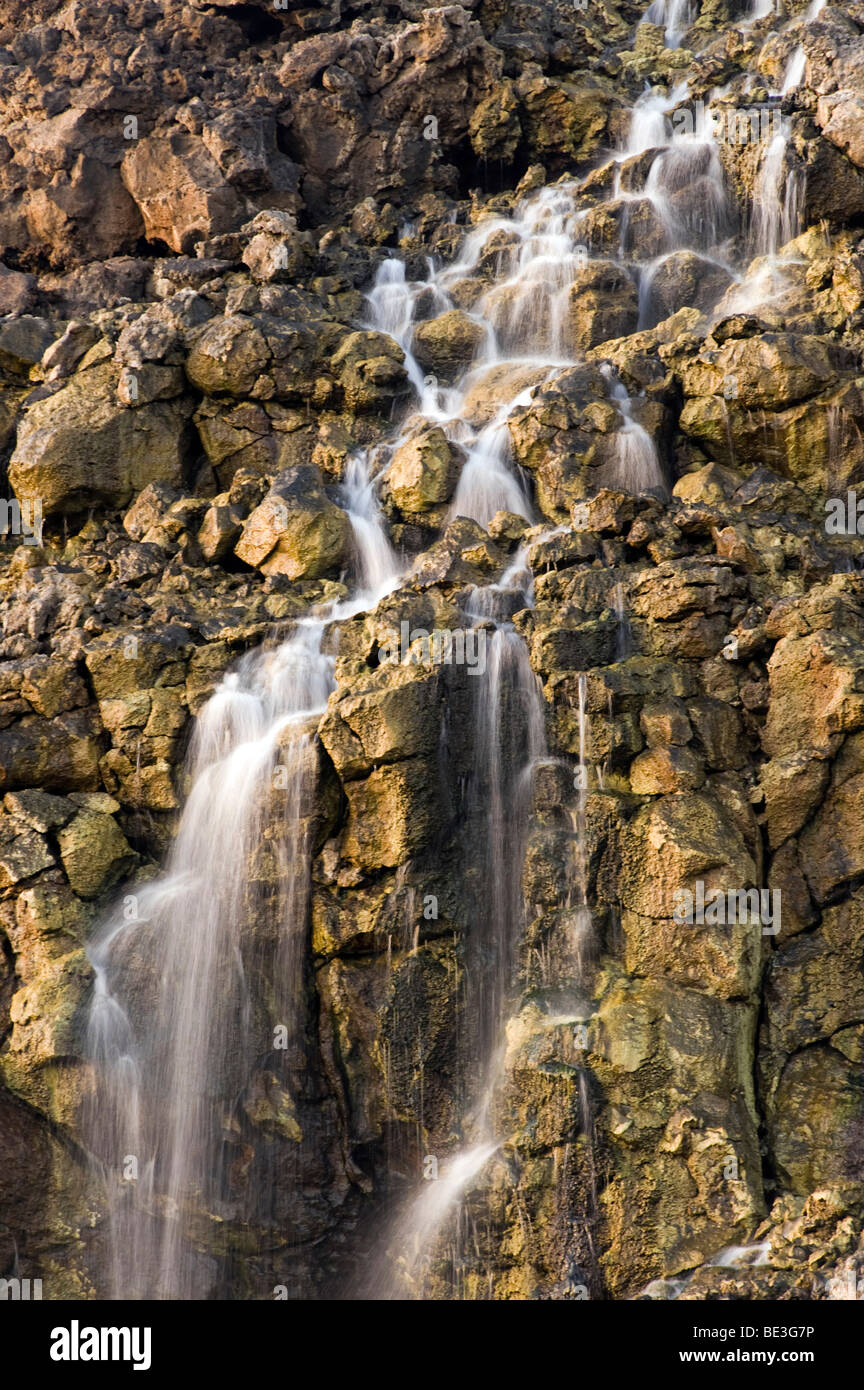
<point x="535" y="323"/>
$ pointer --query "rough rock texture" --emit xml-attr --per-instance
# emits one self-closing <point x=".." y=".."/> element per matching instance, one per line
<point x="193" y="199"/>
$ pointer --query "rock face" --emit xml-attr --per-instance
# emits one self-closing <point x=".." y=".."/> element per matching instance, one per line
<point x="530" y="477"/>
<point x="296" y="531"/>
<point x="85" y="445"/>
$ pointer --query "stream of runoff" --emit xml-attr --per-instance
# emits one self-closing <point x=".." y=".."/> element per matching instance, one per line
<point x="173" y="1029"/>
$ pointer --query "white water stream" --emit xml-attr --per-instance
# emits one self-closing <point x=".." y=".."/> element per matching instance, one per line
<point x="172" y="1024"/>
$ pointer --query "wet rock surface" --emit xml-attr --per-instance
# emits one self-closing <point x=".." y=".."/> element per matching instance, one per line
<point x="616" y="428"/>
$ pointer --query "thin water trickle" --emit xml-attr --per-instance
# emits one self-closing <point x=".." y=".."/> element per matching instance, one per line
<point x="509" y="740"/>
<point x="794" y="71"/>
<point x="776" y="200"/>
<point x="635" y="466"/>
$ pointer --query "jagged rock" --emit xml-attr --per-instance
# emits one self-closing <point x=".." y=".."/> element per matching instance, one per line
<point x="94" y="851"/>
<point x="685" y="279"/>
<point x="23" y="341"/>
<point x="23" y="853"/>
<point x="60" y="754"/>
<point x="712" y="485"/>
<point x="815" y="696"/>
<point x="562" y="118"/>
<point x="423" y="472"/>
<point x="364" y="129"/>
<point x="699" y="659"/>
<point x="237" y="436"/>
<point x="276" y="251"/>
<point x="793" y="787"/>
<point x="664" y="770"/>
<point x="831" y="843"/>
<point x="495" y="128"/>
<point x="370" y="371"/>
<point x="602" y="304"/>
<point x="387" y="722"/>
<point x="179" y="190"/>
<point x="16" y="291"/>
<point x="220" y="529"/>
<point x="768" y="369"/>
<point x="46" y="933"/>
<point x="390" y="815"/>
<point x="296" y="531"/>
<point x="81" y="447"/>
<point x="839" y="116"/>
<point x="228" y="357"/>
<point x="38" y="809"/>
<point x="446" y="344"/>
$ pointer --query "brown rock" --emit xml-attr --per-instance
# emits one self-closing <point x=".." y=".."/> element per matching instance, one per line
<point x="180" y="191"/>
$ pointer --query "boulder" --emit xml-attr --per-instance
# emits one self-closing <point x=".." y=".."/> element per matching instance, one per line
<point x="423" y="472"/>
<point x="447" y="344"/>
<point x="370" y="371"/>
<point x="276" y="250"/>
<point x="94" y="851"/>
<point x="228" y="357"/>
<point x="602" y="303"/>
<point x="296" y="531"/>
<point x="80" y="447"/>
<point x="180" y="191"/>
<point x="684" y="279"/>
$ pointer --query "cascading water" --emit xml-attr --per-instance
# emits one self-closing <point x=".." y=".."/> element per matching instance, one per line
<point x="486" y="484"/>
<point x="776" y="200"/>
<point x="794" y="71"/>
<point x="523" y="316"/>
<point x="649" y="126"/>
<point x="636" y="465"/>
<point x="759" y="9"/>
<point x="509" y="741"/>
<point x="175" y="1036"/>
<point x="174" y="1060"/>
<point x="676" y="16"/>
<point x="687" y="186"/>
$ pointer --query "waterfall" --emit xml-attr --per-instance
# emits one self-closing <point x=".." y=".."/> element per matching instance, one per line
<point x="375" y="561"/>
<point x="648" y="124"/>
<point x="635" y="466"/>
<point x="775" y="218"/>
<point x="176" y="1054"/>
<point x="509" y="739"/>
<point x="794" y="71"/>
<point x="487" y="484"/>
<point x="173" y="1032"/>
<point x="759" y="9"/>
<point x="687" y="186"/>
<point x="180" y="1046"/>
<point x="523" y="316"/>
<point x="676" y="16"/>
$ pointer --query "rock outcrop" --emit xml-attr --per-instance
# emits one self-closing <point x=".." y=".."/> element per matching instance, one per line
<point x="251" y="255"/>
